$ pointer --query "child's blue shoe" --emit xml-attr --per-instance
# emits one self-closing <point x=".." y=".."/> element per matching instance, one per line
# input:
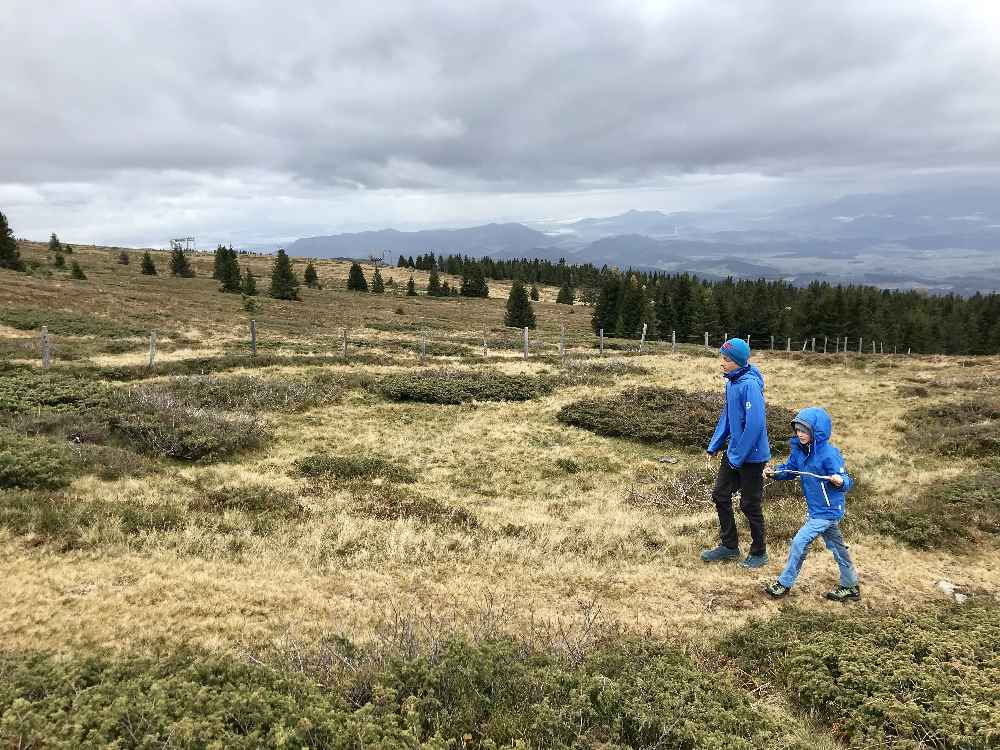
<point x="754" y="561"/>
<point x="720" y="553"/>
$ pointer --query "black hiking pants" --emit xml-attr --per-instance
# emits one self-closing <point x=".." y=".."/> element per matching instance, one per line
<point x="749" y="481"/>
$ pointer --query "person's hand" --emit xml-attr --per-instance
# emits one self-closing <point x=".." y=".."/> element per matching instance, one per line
<point x="768" y="471"/>
<point x="710" y="454"/>
<point x="836" y="480"/>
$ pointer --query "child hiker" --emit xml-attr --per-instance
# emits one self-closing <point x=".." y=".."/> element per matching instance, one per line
<point x="819" y="466"/>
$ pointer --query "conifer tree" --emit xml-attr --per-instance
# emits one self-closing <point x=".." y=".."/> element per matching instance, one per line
<point x="356" y="279"/>
<point x="54" y="245"/>
<point x="566" y="295"/>
<point x="519" y="313"/>
<point x="123" y="258"/>
<point x="10" y="257"/>
<point x="310" y="276"/>
<point x="409" y="262"/>
<point x="179" y="265"/>
<point x="401" y="263"/>
<point x="230" y="278"/>
<point x="411" y="288"/>
<point x="59" y="261"/>
<point x="474" y="282"/>
<point x="434" y="284"/>
<point x="284" y="282"/>
<point x="148" y="266"/>
<point x="535" y="296"/>
<point x="76" y="272"/>
<point x="446" y="289"/>
<point x="219" y="262"/>
<point x="248" y="286"/>
<point x="378" y="286"/>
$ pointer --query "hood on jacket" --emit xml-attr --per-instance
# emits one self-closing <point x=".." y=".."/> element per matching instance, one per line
<point x="747" y="371"/>
<point x="819" y="423"/>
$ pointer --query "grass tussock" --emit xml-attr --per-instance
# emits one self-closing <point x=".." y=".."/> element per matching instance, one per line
<point x="389" y="503"/>
<point x="966" y="428"/>
<point x="66" y="323"/>
<point x="329" y="466"/>
<point x="252" y="393"/>
<point x="663" y="415"/>
<point x="458" y="387"/>
<point x="915" y="680"/>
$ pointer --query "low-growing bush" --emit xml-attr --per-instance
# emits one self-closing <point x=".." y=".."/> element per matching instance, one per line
<point x="446" y="387"/>
<point x="28" y="389"/>
<point x="665" y="415"/>
<point x="31" y="462"/>
<point x="922" y="680"/>
<point x="254" y="393"/>
<point x="328" y="466"/>
<point x="576" y="372"/>
<point x="488" y="694"/>
<point x="966" y="428"/>
<point x="226" y="362"/>
<point x="388" y="503"/>
<point x="66" y="324"/>
<point x="249" y="498"/>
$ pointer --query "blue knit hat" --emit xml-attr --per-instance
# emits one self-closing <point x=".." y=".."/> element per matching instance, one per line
<point x="737" y="350"/>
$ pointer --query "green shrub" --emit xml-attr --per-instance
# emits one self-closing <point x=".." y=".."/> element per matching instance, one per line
<point x="250" y="498"/>
<point x="923" y="680"/>
<point x="253" y="393"/>
<point x="388" y="503"/>
<point x="966" y="428"/>
<point x="31" y="462"/>
<point x="28" y="389"/>
<point x="327" y="466"/>
<point x="445" y="387"/>
<point x="576" y="372"/>
<point x="206" y="365"/>
<point x="665" y="415"/>
<point x="66" y="324"/>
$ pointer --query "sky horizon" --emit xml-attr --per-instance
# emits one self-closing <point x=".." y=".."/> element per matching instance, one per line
<point x="242" y="123"/>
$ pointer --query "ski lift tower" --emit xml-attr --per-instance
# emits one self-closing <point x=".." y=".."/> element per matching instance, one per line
<point x="182" y="243"/>
<point x="376" y="259"/>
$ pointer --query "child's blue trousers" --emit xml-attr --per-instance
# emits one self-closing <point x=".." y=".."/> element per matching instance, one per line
<point x="830" y="532"/>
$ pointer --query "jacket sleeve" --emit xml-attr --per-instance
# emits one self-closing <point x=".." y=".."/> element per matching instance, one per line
<point x="721" y="429"/>
<point x="834" y="464"/>
<point x="781" y="470"/>
<point x="752" y="402"/>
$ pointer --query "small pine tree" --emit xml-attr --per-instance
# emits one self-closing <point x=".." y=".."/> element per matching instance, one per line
<point x="148" y="266"/>
<point x="59" y="261"/>
<point x="356" y="279"/>
<point x="445" y="289"/>
<point x="310" y="276"/>
<point x="519" y="313"/>
<point x="76" y="272"/>
<point x="179" y="265"/>
<point x="249" y="284"/>
<point x="219" y="262"/>
<point x="231" y="280"/>
<point x="474" y="282"/>
<point x="284" y="282"/>
<point x="566" y="295"/>
<point x="409" y="262"/>
<point x="411" y="288"/>
<point x="10" y="257"/>
<point x="434" y="284"/>
<point x="55" y="246"/>
<point x="534" y="293"/>
<point x="123" y="259"/>
<point x="378" y="287"/>
<point x="401" y="263"/>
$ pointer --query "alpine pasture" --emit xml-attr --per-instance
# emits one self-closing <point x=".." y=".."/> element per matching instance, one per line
<point x="419" y="543"/>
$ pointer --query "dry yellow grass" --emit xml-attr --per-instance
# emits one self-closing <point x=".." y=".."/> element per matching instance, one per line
<point x="569" y="536"/>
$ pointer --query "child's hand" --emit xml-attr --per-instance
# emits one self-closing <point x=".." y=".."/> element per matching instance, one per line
<point x="768" y="471"/>
<point x="836" y="480"/>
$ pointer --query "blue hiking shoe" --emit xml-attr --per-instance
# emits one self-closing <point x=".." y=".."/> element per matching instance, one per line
<point x="720" y="553"/>
<point x="753" y="561"/>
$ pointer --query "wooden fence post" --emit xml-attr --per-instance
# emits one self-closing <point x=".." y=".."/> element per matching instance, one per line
<point x="562" y="341"/>
<point x="602" y="340"/>
<point x="805" y="344"/>
<point x="526" y="342"/>
<point x="788" y="343"/>
<point x="673" y="342"/>
<point x="253" y="338"/>
<point x="706" y="339"/>
<point x="814" y="344"/>
<point x="725" y="337"/>
<point x="485" y="351"/>
<point x="772" y="343"/>
<point x="152" y="349"/>
<point x="642" y="341"/>
<point x="423" y="348"/>
<point x="46" y="353"/>
<point x="873" y="346"/>
<point x="343" y="339"/>
<point x="860" y="341"/>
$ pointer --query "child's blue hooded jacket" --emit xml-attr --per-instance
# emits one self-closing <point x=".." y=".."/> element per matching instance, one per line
<point x="743" y="420"/>
<point x="818" y="457"/>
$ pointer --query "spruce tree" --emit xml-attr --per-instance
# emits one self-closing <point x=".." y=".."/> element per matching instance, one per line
<point x="54" y="245"/>
<point x="378" y="286"/>
<point x="445" y="289"/>
<point x="474" y="282"/>
<point x="219" y="262"/>
<point x="310" y="276"/>
<point x="179" y="265"/>
<point x="434" y="284"/>
<point x="59" y="261"/>
<point x="535" y="296"/>
<point x="230" y="278"/>
<point x="566" y="295"/>
<point x="411" y="288"/>
<point x="10" y="257"/>
<point x="249" y="284"/>
<point x="284" y="282"/>
<point x="76" y="272"/>
<point x="401" y="263"/>
<point x="409" y="262"/>
<point x="356" y="279"/>
<point x="148" y="266"/>
<point x="519" y="313"/>
<point x="123" y="258"/>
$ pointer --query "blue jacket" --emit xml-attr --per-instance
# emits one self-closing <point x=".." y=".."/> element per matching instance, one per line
<point x="818" y="457"/>
<point x="743" y="420"/>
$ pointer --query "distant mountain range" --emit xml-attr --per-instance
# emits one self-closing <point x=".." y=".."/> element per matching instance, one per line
<point x="937" y="240"/>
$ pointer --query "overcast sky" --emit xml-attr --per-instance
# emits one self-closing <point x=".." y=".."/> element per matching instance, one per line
<point x="244" y="122"/>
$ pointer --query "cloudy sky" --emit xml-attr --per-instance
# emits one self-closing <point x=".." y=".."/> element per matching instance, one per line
<point x="245" y="122"/>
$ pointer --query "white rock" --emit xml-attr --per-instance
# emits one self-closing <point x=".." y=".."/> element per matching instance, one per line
<point x="946" y="586"/>
<point x="961" y="598"/>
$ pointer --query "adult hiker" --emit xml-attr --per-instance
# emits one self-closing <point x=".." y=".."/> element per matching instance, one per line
<point x="744" y="423"/>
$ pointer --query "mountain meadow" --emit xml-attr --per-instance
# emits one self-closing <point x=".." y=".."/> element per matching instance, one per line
<point x="386" y="520"/>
